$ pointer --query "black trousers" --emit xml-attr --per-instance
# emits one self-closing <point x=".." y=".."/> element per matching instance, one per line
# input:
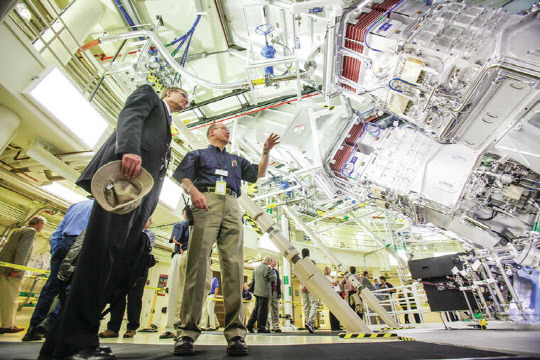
<point x="334" y="322"/>
<point x="134" y="306"/>
<point x="260" y="313"/>
<point x="109" y="253"/>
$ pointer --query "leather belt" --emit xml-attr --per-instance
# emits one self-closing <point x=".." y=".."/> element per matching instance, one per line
<point x="213" y="189"/>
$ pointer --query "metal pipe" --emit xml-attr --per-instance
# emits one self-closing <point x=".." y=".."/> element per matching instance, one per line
<point x="310" y="65"/>
<point x="509" y="285"/>
<point x="39" y="153"/>
<point x="276" y="192"/>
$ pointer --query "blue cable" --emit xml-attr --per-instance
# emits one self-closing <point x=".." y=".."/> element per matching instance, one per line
<point x="393" y="88"/>
<point x="369" y="28"/>
<point x="184" y="57"/>
<point x="187" y="36"/>
<point x="126" y="16"/>
<point x="403" y="81"/>
<point x="378" y="129"/>
<point x="183" y="37"/>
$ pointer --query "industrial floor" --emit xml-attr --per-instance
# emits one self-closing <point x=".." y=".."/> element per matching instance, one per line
<point x="428" y="341"/>
<point x="430" y="344"/>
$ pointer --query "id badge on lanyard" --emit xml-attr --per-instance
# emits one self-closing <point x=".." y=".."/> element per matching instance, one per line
<point x="221" y="186"/>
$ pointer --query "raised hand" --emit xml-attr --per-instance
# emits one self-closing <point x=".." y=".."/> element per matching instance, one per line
<point x="269" y="144"/>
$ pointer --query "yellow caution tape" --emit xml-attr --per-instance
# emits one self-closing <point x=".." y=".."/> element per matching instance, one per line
<point x="25" y="268"/>
<point x="253" y="224"/>
<point x="366" y="336"/>
<point x="403" y="338"/>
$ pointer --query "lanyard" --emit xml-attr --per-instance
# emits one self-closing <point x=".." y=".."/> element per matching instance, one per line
<point x="221" y="163"/>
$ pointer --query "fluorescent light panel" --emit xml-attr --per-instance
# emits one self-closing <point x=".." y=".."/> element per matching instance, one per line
<point x="63" y="192"/>
<point x="57" y="94"/>
<point x="170" y="193"/>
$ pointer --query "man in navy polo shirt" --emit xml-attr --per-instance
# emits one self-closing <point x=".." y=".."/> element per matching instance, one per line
<point x="212" y="178"/>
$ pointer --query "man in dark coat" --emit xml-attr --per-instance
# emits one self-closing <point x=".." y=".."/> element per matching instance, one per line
<point x="263" y="276"/>
<point x="141" y="139"/>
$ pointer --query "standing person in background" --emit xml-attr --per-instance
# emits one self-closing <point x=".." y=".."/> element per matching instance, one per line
<point x="141" y="140"/>
<point x="309" y="302"/>
<point x="376" y="283"/>
<point x="388" y="291"/>
<point x="17" y="250"/>
<point x="263" y="277"/>
<point x="273" y="311"/>
<point x="208" y="312"/>
<point x="135" y="294"/>
<point x="351" y="291"/>
<point x="212" y="178"/>
<point x="334" y="322"/>
<point x="366" y="283"/>
<point x="177" y="275"/>
<point x="246" y="298"/>
<point x="386" y="285"/>
<point x="73" y="223"/>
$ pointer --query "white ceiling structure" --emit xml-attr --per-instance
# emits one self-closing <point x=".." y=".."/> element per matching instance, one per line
<point x="107" y="48"/>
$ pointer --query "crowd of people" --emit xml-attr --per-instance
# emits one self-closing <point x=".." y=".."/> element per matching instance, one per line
<point x="102" y="250"/>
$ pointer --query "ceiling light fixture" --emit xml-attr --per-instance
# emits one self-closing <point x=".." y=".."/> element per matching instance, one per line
<point x="59" y="97"/>
<point x="64" y="192"/>
<point x="170" y="193"/>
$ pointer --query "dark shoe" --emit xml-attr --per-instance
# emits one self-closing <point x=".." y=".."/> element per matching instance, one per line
<point x="250" y="329"/>
<point x="166" y="335"/>
<point x="44" y="357"/>
<point x="2" y="330"/>
<point x="130" y="333"/>
<point x="310" y="328"/>
<point x="44" y="327"/>
<point x="99" y="353"/>
<point x="108" y="334"/>
<point x="31" y="335"/>
<point x="184" y="347"/>
<point x="13" y="330"/>
<point x="277" y="330"/>
<point x="237" y="347"/>
<point x="263" y="331"/>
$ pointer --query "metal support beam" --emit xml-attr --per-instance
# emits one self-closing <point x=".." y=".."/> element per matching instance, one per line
<point x="370" y="300"/>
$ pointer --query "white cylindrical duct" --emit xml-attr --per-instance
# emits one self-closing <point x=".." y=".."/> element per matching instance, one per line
<point x="370" y="299"/>
<point x="315" y="239"/>
<point x="314" y="280"/>
<point x="38" y="153"/>
<point x="286" y="272"/>
<point x="9" y="122"/>
<point x="80" y="18"/>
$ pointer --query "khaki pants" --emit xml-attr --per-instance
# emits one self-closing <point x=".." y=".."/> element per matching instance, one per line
<point x="311" y="305"/>
<point x="208" y="315"/>
<point x="9" y="300"/>
<point x="222" y="223"/>
<point x="248" y="307"/>
<point x="176" y="288"/>
<point x="273" y="312"/>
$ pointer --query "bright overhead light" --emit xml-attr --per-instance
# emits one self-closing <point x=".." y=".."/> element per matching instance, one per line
<point x="63" y="192"/>
<point x="61" y="99"/>
<point x="170" y="193"/>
